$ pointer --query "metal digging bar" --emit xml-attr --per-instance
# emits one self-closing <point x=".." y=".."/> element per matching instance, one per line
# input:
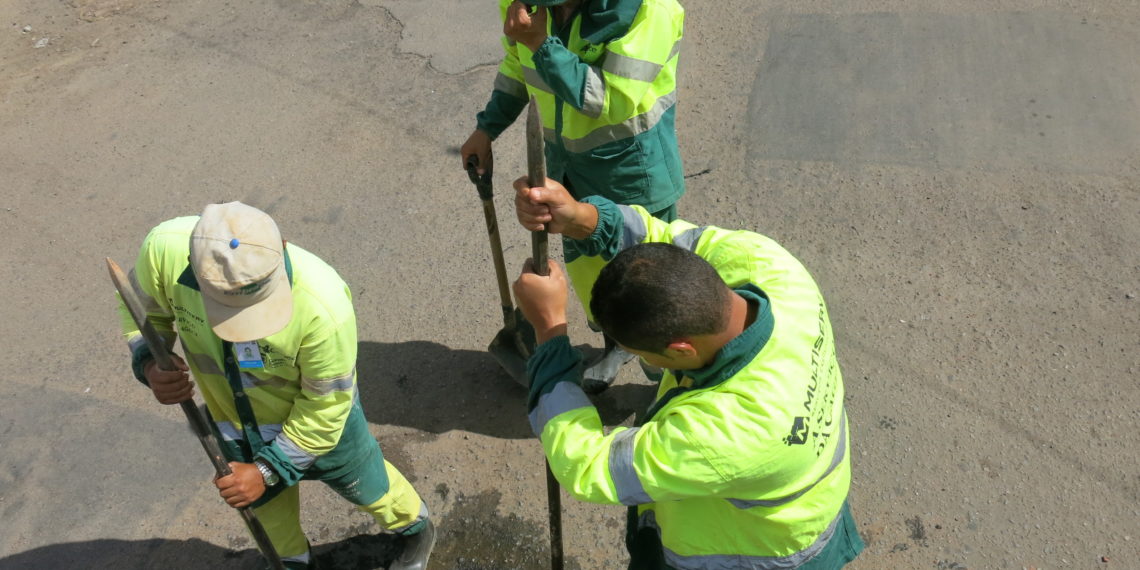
<point x="536" y="176"/>
<point x="193" y="414"/>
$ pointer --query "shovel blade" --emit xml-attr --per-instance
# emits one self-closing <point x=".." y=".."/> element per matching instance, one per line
<point x="512" y="346"/>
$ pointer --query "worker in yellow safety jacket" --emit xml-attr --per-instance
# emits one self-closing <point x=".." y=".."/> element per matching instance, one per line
<point x="743" y="460"/>
<point x="269" y="333"/>
<point x="604" y="76"/>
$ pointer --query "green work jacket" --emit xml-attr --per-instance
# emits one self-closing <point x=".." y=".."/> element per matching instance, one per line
<point x="741" y="464"/>
<point x="302" y="393"/>
<point x="606" y="88"/>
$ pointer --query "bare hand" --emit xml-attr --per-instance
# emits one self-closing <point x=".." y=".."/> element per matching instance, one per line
<point x="551" y="207"/>
<point x="526" y="28"/>
<point x="478" y="145"/>
<point x="242" y="487"/>
<point x="542" y="300"/>
<point x="169" y="386"/>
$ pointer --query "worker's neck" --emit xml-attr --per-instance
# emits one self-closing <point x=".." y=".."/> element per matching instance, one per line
<point x="741" y="315"/>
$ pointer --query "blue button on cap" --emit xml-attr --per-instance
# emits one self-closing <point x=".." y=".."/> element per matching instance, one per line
<point x="234" y="243"/>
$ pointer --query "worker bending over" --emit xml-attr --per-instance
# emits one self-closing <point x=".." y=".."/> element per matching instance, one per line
<point x="743" y="460"/>
<point x="269" y="333"/>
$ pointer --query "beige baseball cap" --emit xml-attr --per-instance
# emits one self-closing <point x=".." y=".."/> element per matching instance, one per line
<point x="238" y="257"/>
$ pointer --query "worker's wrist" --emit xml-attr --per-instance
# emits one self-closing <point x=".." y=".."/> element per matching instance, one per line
<point x="582" y="222"/>
<point x="536" y="44"/>
<point x="549" y="331"/>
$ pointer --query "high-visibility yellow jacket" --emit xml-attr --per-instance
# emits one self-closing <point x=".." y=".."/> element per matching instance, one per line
<point x="302" y="395"/>
<point x="741" y="464"/>
<point x="606" y="88"/>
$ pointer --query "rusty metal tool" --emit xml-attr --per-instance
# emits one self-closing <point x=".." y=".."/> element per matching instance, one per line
<point x="536" y="176"/>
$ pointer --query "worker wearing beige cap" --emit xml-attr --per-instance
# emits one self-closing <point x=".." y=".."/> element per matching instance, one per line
<point x="269" y="333"/>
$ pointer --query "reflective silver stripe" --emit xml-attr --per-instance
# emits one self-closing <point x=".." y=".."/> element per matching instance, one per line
<point x="532" y="79"/>
<point x="628" y="486"/>
<point x="594" y="96"/>
<point x="736" y="561"/>
<point x="248" y="380"/>
<point x="424" y="515"/>
<point x="688" y="239"/>
<point x="135" y="342"/>
<point x="255" y="382"/>
<point x="232" y="432"/>
<point x="631" y="67"/>
<point x="149" y="304"/>
<point x="301" y="458"/>
<point x="625" y="129"/>
<point x="676" y="50"/>
<point x="326" y="386"/>
<point x="510" y="86"/>
<point x="836" y="459"/>
<point x="564" y="397"/>
<point x="205" y="364"/>
<point x="300" y="558"/>
<point x="633" y="228"/>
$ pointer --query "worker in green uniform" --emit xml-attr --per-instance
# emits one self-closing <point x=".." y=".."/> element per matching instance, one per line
<point x="604" y="76"/>
<point x="743" y="460"/>
<point x="269" y="333"/>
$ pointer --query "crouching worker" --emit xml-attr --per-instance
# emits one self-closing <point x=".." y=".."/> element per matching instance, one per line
<point x="269" y="333"/>
<point x="743" y="460"/>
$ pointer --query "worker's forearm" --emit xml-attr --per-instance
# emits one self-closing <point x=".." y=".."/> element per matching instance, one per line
<point x="583" y="222"/>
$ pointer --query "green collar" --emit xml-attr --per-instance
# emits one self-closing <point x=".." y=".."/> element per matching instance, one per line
<point x="738" y="352"/>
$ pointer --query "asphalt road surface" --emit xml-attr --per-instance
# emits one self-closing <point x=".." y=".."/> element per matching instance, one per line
<point x="962" y="178"/>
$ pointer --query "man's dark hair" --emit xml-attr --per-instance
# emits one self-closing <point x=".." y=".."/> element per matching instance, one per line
<point x="654" y="293"/>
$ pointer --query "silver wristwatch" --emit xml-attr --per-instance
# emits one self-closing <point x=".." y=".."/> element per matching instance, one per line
<point x="271" y="477"/>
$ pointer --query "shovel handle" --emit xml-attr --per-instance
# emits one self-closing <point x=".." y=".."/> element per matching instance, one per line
<point x="486" y="193"/>
<point x="482" y="183"/>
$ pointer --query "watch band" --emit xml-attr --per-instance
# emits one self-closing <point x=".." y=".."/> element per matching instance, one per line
<point x="267" y="473"/>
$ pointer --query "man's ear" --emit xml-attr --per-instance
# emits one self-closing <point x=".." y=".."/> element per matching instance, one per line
<point x="680" y="348"/>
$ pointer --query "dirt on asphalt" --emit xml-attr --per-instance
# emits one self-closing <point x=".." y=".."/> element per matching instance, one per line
<point x="962" y="178"/>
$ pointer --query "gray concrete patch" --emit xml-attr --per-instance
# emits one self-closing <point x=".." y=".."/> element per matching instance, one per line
<point x="998" y="90"/>
<point x="455" y="35"/>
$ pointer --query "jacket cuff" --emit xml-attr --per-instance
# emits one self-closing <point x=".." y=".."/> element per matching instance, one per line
<point x="551" y="47"/>
<point x="554" y="361"/>
<point x="139" y="357"/>
<point x="606" y="238"/>
<point x="277" y="459"/>
<point x="500" y="112"/>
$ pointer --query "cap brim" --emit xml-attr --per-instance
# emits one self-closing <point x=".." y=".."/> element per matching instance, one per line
<point x="242" y="324"/>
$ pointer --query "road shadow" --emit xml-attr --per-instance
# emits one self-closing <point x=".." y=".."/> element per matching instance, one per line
<point x="429" y="387"/>
<point x="358" y="552"/>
